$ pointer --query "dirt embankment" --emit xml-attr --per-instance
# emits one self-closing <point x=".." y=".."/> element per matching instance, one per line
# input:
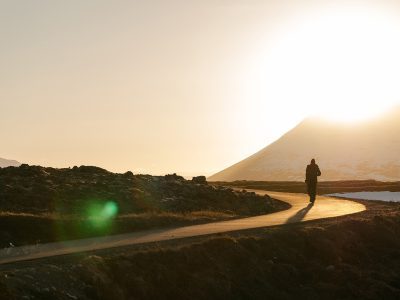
<point x="39" y="204"/>
<point x="351" y="257"/>
<point x="74" y="191"/>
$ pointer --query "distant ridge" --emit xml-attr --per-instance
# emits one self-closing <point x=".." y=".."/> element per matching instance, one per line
<point x="366" y="150"/>
<point x="8" y="163"/>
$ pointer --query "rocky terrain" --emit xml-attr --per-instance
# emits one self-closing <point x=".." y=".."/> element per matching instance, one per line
<point x="350" y="257"/>
<point x="41" y="204"/>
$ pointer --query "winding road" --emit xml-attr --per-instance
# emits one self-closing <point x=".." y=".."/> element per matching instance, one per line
<point x="300" y="211"/>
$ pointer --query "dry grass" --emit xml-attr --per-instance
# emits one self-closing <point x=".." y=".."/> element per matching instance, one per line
<point x="188" y="215"/>
<point x="28" y="228"/>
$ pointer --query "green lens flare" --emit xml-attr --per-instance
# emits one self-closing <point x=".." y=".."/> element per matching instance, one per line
<point x="100" y="214"/>
<point x="110" y="210"/>
<point x="96" y="217"/>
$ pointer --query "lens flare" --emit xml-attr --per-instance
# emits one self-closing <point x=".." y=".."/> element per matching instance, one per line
<point x="100" y="214"/>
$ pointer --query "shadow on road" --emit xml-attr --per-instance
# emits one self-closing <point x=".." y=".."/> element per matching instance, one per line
<point x="298" y="216"/>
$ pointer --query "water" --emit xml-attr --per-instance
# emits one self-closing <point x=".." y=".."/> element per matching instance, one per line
<point x="380" y="196"/>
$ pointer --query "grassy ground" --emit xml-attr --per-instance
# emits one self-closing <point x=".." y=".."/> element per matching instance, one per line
<point x="18" y="229"/>
<point x="324" y="187"/>
<point x="26" y="229"/>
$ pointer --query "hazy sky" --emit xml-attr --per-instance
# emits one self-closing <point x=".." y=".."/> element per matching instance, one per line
<point x="185" y="86"/>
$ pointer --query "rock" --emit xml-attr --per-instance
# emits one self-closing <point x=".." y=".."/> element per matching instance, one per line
<point x="330" y="268"/>
<point x="71" y="296"/>
<point x="91" y="170"/>
<point x="199" y="179"/>
<point x="128" y="174"/>
<point x="168" y="199"/>
<point x="173" y="177"/>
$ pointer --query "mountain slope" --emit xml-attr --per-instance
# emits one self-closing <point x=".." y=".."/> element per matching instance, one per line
<point x="8" y="163"/>
<point x="368" y="150"/>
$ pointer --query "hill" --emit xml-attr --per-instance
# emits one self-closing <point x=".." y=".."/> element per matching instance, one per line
<point x="366" y="150"/>
<point x="4" y="163"/>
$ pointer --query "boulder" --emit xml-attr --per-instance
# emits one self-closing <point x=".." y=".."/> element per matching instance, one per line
<point x="199" y="179"/>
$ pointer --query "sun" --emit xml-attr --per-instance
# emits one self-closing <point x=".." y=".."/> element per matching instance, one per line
<point x="339" y="64"/>
<point x="353" y="112"/>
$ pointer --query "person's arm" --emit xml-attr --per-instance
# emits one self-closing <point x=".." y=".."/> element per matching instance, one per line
<point x="318" y="171"/>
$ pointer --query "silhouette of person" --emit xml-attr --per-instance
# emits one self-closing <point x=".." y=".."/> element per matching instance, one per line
<point x="312" y="173"/>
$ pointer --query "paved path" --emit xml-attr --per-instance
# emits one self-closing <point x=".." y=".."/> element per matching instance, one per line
<point x="325" y="207"/>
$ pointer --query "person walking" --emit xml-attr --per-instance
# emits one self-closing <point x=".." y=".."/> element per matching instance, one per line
<point x="312" y="173"/>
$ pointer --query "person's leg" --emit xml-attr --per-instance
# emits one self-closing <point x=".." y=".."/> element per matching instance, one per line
<point x="313" y="191"/>
<point x="311" y="197"/>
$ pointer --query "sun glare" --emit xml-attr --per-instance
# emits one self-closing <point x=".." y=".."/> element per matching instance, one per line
<point x="352" y="113"/>
<point x="340" y="65"/>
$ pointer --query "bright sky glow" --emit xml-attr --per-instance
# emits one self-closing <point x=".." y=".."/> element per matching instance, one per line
<point x="186" y="86"/>
<point x="341" y="65"/>
<point x="339" y="62"/>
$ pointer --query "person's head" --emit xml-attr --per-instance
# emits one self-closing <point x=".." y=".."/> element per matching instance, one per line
<point x="313" y="161"/>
